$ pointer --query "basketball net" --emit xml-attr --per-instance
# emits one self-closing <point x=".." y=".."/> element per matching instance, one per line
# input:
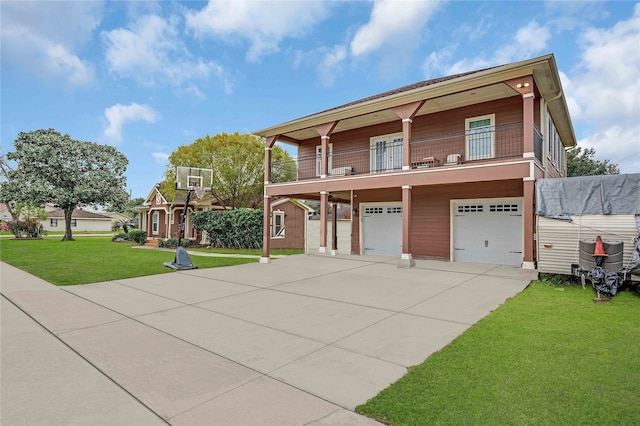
<point x="199" y="190"/>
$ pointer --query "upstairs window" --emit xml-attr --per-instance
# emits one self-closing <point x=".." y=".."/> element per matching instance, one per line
<point x="386" y="153"/>
<point x="480" y="137"/>
<point x="319" y="159"/>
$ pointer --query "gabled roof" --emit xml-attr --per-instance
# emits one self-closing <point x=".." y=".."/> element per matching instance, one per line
<point x="77" y="214"/>
<point x="292" y="201"/>
<point x="439" y="94"/>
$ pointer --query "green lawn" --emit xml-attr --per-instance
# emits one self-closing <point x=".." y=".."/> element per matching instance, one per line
<point x="93" y="259"/>
<point x="255" y="252"/>
<point x="548" y="356"/>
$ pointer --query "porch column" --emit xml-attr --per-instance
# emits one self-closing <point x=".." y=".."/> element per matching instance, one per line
<point x="527" y="124"/>
<point x="525" y="86"/>
<point x="266" y="230"/>
<point x="406" y="260"/>
<point x="324" y="170"/>
<point x="266" y="224"/>
<point x="324" y="210"/>
<point x="529" y="223"/>
<point x="334" y="230"/>
<point x="406" y="113"/>
<point x="325" y="131"/>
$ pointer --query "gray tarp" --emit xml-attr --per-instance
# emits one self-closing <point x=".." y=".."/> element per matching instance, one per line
<point x="588" y="195"/>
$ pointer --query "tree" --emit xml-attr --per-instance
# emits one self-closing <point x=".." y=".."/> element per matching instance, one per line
<point x="237" y="161"/>
<point x="5" y="169"/>
<point x="127" y="208"/>
<point x="53" y="168"/>
<point x="581" y="163"/>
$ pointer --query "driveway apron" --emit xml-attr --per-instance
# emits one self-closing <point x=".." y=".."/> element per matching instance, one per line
<point x="301" y="340"/>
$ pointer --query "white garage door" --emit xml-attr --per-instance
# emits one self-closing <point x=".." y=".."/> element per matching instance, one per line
<point x="488" y="232"/>
<point x="382" y="229"/>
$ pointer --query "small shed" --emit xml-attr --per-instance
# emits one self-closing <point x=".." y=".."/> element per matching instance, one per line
<point x="581" y="208"/>
<point x="289" y="219"/>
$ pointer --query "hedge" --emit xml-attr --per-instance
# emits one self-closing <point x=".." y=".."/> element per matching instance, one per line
<point x="240" y="228"/>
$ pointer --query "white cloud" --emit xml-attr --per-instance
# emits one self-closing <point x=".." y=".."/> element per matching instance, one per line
<point x="34" y="39"/>
<point x="161" y="157"/>
<point x="605" y="86"/>
<point x="393" y="23"/>
<point x="527" y="42"/>
<point x="330" y="64"/>
<point x="264" y="24"/>
<point x="119" y="114"/>
<point x="151" y="53"/>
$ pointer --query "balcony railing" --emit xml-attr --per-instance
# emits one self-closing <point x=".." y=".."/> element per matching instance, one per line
<point x="499" y="142"/>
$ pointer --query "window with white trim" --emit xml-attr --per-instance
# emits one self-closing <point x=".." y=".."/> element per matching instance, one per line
<point x="53" y="223"/>
<point x="277" y="224"/>
<point x="319" y="159"/>
<point x="386" y="153"/>
<point x="555" y="148"/>
<point x="480" y="137"/>
<point x="74" y="223"/>
<point x="155" y="219"/>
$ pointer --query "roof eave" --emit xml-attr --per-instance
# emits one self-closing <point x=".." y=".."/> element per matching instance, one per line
<point x="466" y="82"/>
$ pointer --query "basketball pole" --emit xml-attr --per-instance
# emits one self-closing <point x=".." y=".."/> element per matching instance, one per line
<point x="182" y="260"/>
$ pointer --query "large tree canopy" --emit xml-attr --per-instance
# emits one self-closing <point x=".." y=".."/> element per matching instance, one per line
<point x="237" y="161"/>
<point x="581" y="163"/>
<point x="53" y="168"/>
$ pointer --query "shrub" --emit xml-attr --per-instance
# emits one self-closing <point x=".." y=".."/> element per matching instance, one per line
<point x="25" y="228"/>
<point x="138" y="236"/>
<point x="173" y="243"/>
<point x="241" y="228"/>
<point x="121" y="237"/>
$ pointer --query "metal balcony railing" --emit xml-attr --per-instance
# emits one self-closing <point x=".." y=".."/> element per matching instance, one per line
<point x="486" y="144"/>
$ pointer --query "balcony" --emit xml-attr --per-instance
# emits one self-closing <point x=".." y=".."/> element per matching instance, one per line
<point x="500" y="142"/>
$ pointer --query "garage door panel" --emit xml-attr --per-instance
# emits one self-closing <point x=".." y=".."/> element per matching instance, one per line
<point x="382" y="230"/>
<point x="488" y="232"/>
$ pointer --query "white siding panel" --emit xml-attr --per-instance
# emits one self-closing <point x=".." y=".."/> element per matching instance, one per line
<point x="558" y="240"/>
<point x="344" y="236"/>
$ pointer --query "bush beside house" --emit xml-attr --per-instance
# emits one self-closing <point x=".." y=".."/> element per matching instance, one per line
<point x="240" y="228"/>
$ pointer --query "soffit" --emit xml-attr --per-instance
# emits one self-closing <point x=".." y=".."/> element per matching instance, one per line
<point x="443" y="103"/>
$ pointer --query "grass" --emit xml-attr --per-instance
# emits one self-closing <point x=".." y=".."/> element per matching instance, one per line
<point x="548" y="356"/>
<point x="255" y="252"/>
<point x="93" y="259"/>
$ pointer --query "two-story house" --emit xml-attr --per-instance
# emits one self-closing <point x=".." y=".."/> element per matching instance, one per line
<point x="443" y="168"/>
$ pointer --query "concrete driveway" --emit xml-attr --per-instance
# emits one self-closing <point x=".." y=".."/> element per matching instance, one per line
<point x="302" y="340"/>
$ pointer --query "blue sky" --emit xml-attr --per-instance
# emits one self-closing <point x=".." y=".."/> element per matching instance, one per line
<point x="149" y="76"/>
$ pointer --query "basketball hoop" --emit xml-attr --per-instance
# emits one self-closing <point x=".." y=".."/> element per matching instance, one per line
<point x="199" y="190"/>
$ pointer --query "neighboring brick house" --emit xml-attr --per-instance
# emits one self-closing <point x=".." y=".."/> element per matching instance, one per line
<point x="160" y="218"/>
<point x="443" y="168"/>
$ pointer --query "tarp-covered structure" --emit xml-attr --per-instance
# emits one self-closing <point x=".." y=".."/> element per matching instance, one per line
<point x="581" y="208"/>
<point x="588" y="195"/>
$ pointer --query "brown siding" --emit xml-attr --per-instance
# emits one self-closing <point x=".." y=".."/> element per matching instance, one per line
<point x="440" y="124"/>
<point x="430" y="211"/>
<point x="507" y="111"/>
<point x="294" y="227"/>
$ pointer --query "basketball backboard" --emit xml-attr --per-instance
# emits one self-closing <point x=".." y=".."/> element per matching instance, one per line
<point x="192" y="178"/>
